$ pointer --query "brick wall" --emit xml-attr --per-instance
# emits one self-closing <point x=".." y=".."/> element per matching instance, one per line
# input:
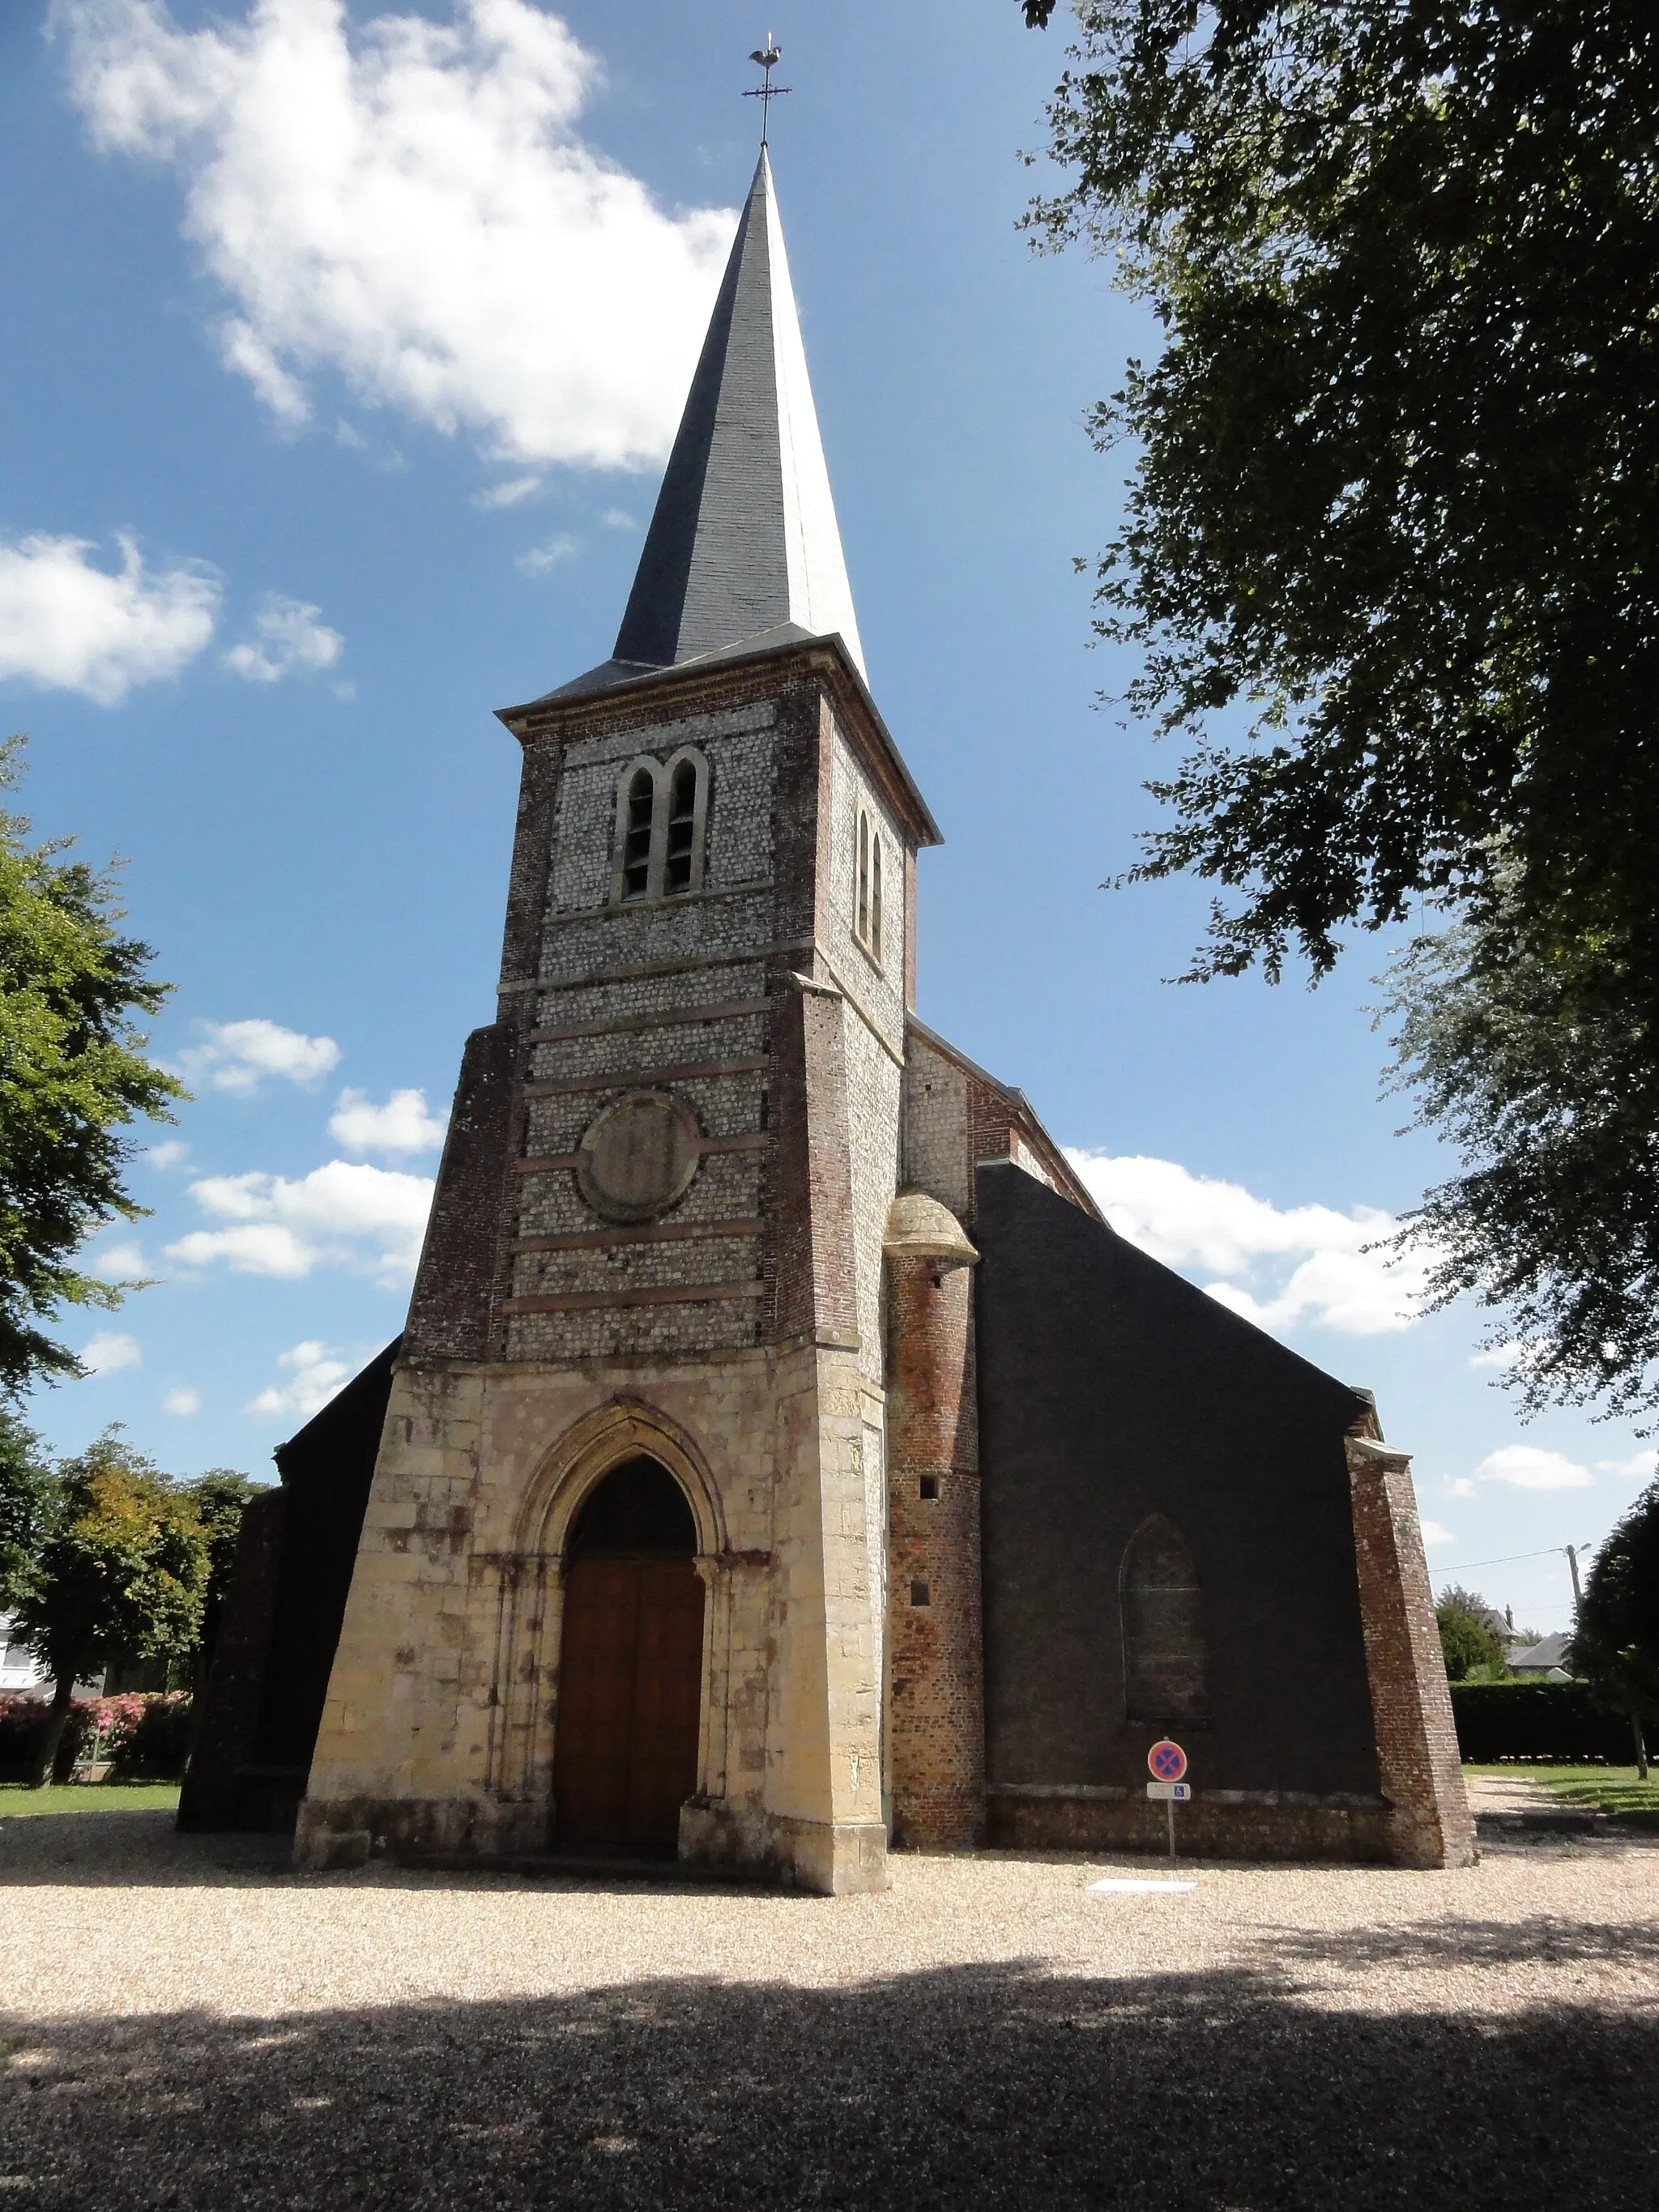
<point x="936" y="1726"/>
<point x="1415" y="1735"/>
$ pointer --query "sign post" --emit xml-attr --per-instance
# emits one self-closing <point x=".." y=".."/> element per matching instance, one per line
<point x="1168" y="1764"/>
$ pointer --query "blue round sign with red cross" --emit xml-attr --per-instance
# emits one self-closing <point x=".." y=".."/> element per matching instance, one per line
<point x="1166" y="1760"/>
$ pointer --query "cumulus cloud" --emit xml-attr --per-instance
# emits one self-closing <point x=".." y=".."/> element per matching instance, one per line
<point x="239" y="1055"/>
<point x="1503" y="1357"/>
<point x="508" y="493"/>
<point x="117" y="1263"/>
<point x="181" y="1402"/>
<point x="1320" y="1269"/>
<point x="108" y="1351"/>
<point x="1529" y="1466"/>
<point x="68" y="626"/>
<point x="167" y="1155"/>
<point x="402" y="1125"/>
<point x="538" y="560"/>
<point x="316" y="1372"/>
<point x="1635" y="1463"/>
<point x="1434" y="1533"/>
<point x="410" y="203"/>
<point x="1462" y="1487"/>
<point x="288" y="638"/>
<point x="344" y="1214"/>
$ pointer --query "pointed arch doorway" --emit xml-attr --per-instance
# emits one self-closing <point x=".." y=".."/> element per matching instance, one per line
<point x="630" y="1665"/>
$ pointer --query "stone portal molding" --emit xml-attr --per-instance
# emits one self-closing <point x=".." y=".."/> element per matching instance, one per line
<point x="622" y="1429"/>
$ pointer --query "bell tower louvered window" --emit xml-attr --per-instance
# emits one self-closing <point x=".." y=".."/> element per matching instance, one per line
<point x="1163" y="1655"/>
<point x="641" y="806"/>
<point x="662" y="827"/>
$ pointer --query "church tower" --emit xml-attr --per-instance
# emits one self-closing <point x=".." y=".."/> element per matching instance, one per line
<point x="622" y="1580"/>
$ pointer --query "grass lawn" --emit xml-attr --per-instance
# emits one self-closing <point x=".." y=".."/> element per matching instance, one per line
<point x="1614" y="1789"/>
<point x="16" y="1798"/>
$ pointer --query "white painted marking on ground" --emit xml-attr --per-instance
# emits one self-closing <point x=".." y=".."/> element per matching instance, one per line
<point x="1120" y="1884"/>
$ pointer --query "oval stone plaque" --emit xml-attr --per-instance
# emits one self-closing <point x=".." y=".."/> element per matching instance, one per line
<point x="640" y="1156"/>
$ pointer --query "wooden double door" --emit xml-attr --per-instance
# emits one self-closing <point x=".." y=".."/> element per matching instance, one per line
<point x="631" y="1693"/>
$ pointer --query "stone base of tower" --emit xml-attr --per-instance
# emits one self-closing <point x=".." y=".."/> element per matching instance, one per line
<point x="440" y="1735"/>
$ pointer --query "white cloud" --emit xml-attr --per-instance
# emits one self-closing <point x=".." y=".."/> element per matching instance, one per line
<point x="1637" y="1463"/>
<point x="117" y="1263"/>
<point x="1528" y="1466"/>
<point x="239" y="1055"/>
<point x="616" y="518"/>
<point x="540" y="559"/>
<point x="346" y="1213"/>
<point x="1434" y="1533"/>
<point x="316" y="1372"/>
<point x="257" y="1247"/>
<point x="1201" y="1223"/>
<point x="1503" y="1357"/>
<point x="402" y="1125"/>
<point x="409" y="203"/>
<point x="287" y="636"/>
<point x="508" y="493"/>
<point x="68" y="626"/>
<point x="167" y="1155"/>
<point x="109" y="1352"/>
<point x="181" y="1402"/>
<point x="1462" y="1487"/>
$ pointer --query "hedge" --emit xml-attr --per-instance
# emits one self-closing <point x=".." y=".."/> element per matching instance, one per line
<point x="144" y="1737"/>
<point x="1554" y="1722"/>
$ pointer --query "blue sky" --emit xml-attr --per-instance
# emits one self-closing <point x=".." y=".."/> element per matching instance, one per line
<point x="342" y="351"/>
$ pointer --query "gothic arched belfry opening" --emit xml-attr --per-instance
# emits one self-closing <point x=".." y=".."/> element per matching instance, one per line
<point x="775" y="1413"/>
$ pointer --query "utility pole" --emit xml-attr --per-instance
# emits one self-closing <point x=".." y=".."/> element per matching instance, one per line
<point x="1572" y="1564"/>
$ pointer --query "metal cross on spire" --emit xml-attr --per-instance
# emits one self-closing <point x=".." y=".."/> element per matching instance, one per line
<point x="766" y="91"/>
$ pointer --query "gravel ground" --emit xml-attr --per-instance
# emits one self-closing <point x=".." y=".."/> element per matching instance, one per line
<point x="185" y="2023"/>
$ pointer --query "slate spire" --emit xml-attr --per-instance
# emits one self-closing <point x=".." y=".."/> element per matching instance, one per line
<point x="744" y="539"/>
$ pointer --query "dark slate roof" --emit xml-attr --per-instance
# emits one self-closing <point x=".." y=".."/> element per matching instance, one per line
<point x="743" y="550"/>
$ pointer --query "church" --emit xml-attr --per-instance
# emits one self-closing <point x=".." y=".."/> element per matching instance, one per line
<point x="782" y="1462"/>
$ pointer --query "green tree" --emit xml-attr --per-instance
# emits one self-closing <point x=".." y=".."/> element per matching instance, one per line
<point x="73" y="1075"/>
<point x="123" y="1569"/>
<point x="1615" y="1645"/>
<point x="1530" y="1061"/>
<point x="1471" y="1637"/>
<point x="1389" y="559"/>
<point x="219" y="1499"/>
<point x="28" y="1493"/>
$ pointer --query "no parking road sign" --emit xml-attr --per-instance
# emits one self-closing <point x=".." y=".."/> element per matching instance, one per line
<point x="1168" y="1763"/>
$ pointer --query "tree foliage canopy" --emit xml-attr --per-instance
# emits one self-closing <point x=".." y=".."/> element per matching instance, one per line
<point x="123" y="1569"/>
<point x="28" y="1493"/>
<point x="1616" y="1644"/>
<point x="1398" y="481"/>
<point x="72" y="1075"/>
<point x="1470" y="1639"/>
<point x="1529" y="1059"/>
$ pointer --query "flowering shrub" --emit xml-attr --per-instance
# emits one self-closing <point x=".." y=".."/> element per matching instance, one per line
<point x="140" y="1734"/>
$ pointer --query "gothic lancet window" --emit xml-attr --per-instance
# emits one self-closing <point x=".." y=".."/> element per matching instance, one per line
<point x="1164" y="1660"/>
<point x="662" y="818"/>
<point x="640" y="805"/>
<point x="681" y="826"/>
<point x="866" y="912"/>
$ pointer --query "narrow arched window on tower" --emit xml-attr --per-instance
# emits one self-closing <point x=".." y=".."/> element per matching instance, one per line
<point x="1163" y="1608"/>
<point x="875" y="900"/>
<point x="681" y="828"/>
<point x="861" y="912"/>
<point x="636" y="834"/>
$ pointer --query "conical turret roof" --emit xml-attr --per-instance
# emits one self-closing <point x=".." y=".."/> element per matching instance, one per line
<point x="744" y="544"/>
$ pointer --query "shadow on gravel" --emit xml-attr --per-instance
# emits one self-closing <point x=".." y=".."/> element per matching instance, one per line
<point x="1543" y="1941"/>
<point x="987" y="2086"/>
<point x="120" y="1849"/>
